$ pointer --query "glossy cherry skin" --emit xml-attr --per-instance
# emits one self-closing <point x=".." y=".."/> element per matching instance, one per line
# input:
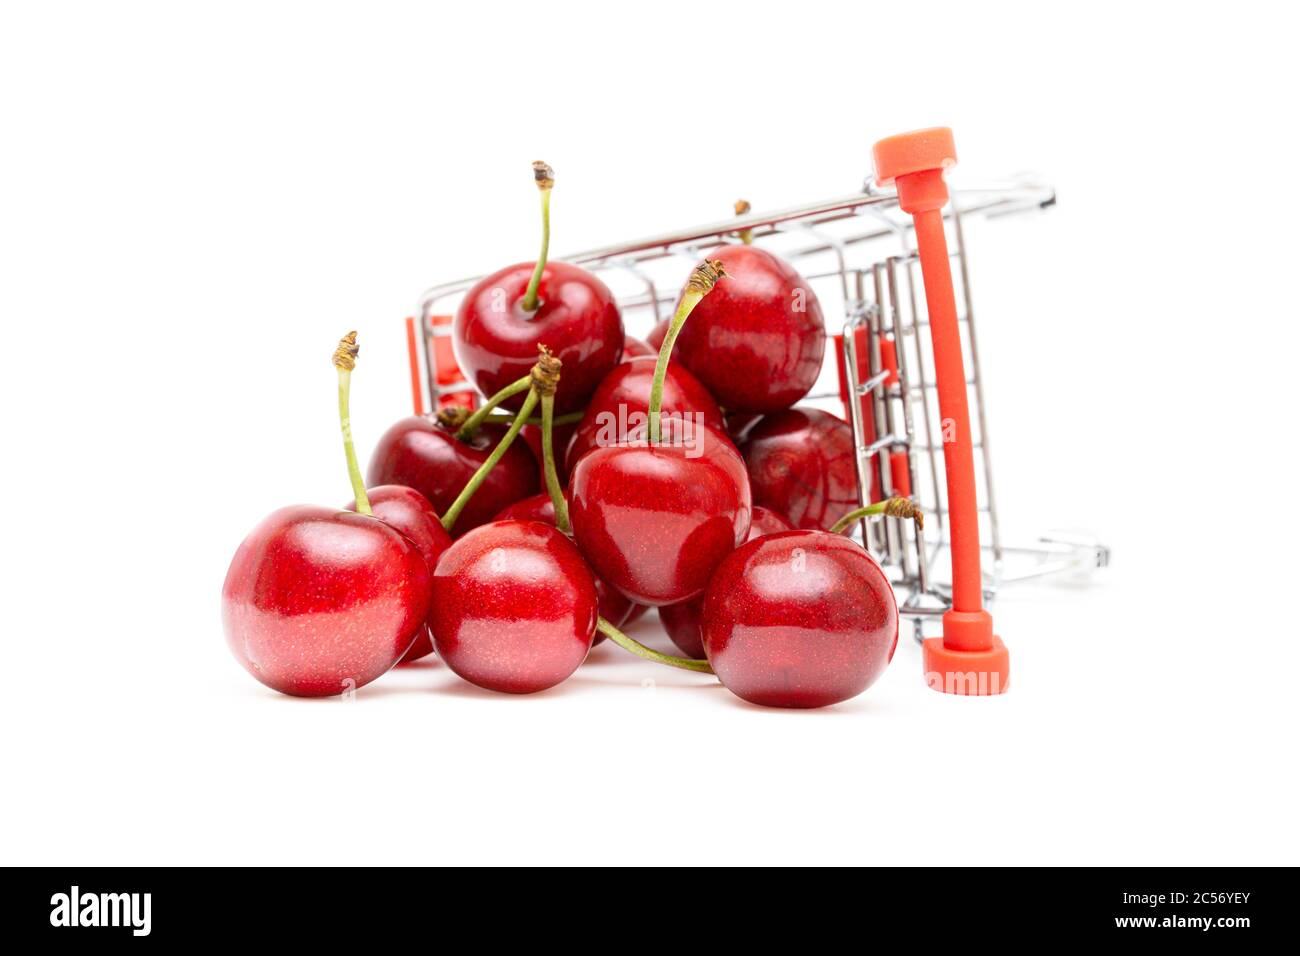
<point x="614" y="607"/>
<point x="801" y="466"/>
<point x="409" y="512"/>
<point x="757" y="340"/>
<point x="496" y="341"/>
<point x="622" y="399"/>
<point x="682" y="621"/>
<point x="422" y="454"/>
<point x="635" y="348"/>
<point x="655" y="520"/>
<point x="799" y="619"/>
<point x="514" y="607"/>
<point x="319" y="602"/>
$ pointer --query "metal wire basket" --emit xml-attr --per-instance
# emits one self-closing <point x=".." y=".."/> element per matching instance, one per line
<point x="858" y="253"/>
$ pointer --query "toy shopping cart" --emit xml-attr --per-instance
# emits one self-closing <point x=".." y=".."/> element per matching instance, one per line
<point x="890" y="265"/>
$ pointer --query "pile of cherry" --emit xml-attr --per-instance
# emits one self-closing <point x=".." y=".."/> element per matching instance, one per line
<point x="630" y="489"/>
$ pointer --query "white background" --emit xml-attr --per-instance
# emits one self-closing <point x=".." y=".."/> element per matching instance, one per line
<point x="196" y="200"/>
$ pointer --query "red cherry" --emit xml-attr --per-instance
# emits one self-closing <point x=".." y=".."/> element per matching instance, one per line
<point x="318" y="601"/>
<point x="757" y="341"/>
<point x="621" y="400"/>
<point x="614" y="607"/>
<point x="410" y="513"/>
<point x="496" y="340"/>
<point x="514" y="607"/>
<point x="682" y="621"/>
<point x="423" y="454"/>
<point x="799" y="619"/>
<point x="655" y="519"/>
<point x="635" y="348"/>
<point x="801" y="466"/>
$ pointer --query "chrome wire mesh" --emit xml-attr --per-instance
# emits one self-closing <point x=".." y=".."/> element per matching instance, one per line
<point x="858" y="254"/>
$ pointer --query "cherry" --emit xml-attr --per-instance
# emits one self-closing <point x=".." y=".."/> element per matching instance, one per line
<point x="801" y="465"/>
<point x="577" y="316"/>
<point x="799" y="619"/>
<point x="656" y="512"/>
<point x="757" y="342"/>
<point x="635" y="348"/>
<point x="429" y="455"/>
<point x="411" y="513"/>
<point x="506" y="315"/>
<point x="682" y="621"/>
<point x="614" y="607"/>
<point x="514" y="607"/>
<point x="654" y="519"/>
<point x="319" y="601"/>
<point x="622" y="398"/>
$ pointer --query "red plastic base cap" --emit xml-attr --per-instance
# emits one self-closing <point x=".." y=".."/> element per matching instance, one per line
<point x="970" y="673"/>
<point x="914" y="152"/>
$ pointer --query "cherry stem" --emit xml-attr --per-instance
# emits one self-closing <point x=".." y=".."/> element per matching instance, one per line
<point x="893" y="507"/>
<point x="548" y="466"/>
<point x="471" y="425"/>
<point x="742" y="209"/>
<point x="545" y="178"/>
<point x="477" y="479"/>
<point x="571" y="418"/>
<point x="345" y="360"/>
<point x="640" y="650"/>
<point x="699" y="285"/>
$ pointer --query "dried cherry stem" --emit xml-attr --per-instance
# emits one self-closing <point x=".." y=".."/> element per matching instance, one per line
<point x="545" y="177"/>
<point x="746" y="235"/>
<point x="472" y="424"/>
<point x="700" y="284"/>
<point x="893" y="507"/>
<point x="640" y="650"/>
<point x="477" y="479"/>
<point x="345" y="360"/>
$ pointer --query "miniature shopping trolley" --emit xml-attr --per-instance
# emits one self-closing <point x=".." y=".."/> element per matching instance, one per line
<point x="889" y="266"/>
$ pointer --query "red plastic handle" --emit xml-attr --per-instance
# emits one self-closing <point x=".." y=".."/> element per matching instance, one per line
<point x="969" y="658"/>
